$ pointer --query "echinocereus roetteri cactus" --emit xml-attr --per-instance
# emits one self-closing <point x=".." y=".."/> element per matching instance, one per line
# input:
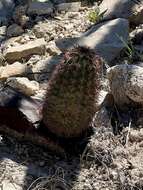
<point x="72" y="93"/>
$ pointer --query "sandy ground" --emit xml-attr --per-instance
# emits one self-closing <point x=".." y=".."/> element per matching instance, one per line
<point x="108" y="162"/>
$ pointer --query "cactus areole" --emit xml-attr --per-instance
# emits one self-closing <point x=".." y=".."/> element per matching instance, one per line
<point x="72" y="93"/>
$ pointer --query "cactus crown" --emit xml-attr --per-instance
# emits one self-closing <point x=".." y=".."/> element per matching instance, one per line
<point x="72" y="93"/>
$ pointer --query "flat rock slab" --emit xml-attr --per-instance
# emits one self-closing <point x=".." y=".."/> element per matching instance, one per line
<point x="106" y="39"/>
<point x="24" y="85"/>
<point x="25" y="50"/>
<point x="72" y="7"/>
<point x="14" y="69"/>
<point x="40" y="8"/>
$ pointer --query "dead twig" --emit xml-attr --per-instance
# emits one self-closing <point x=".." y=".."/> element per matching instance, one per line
<point x="127" y="137"/>
<point x="50" y="183"/>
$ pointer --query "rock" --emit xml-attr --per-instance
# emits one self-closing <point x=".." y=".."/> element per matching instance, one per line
<point x="24" y="85"/>
<point x="23" y="20"/>
<point x="105" y="104"/>
<point x="43" y="1"/>
<point x="101" y="97"/>
<point x="6" y="9"/>
<point x="132" y="10"/>
<point x="136" y="135"/>
<point x="34" y="59"/>
<point x="19" y="15"/>
<point x="137" y="13"/>
<point x="29" y="108"/>
<point x="22" y="2"/>
<point x="40" y="8"/>
<point x="52" y="49"/>
<point x="7" y="185"/>
<point x="139" y="50"/>
<point x="21" y="116"/>
<point x="2" y="30"/>
<point x="136" y="35"/>
<point x="14" y="30"/>
<point x="16" y="41"/>
<point x="41" y="30"/>
<point x="104" y="38"/>
<point x="42" y="163"/>
<point x="40" y="94"/>
<point x="2" y="33"/>
<point x="139" y="119"/>
<point x="19" y="10"/>
<point x="71" y="7"/>
<point x="25" y="50"/>
<point x="3" y="21"/>
<point x="126" y="83"/>
<point x="2" y="59"/>
<point x="59" y="1"/>
<point x="102" y="118"/>
<point x="13" y="70"/>
<point x="116" y="8"/>
<point x="42" y="70"/>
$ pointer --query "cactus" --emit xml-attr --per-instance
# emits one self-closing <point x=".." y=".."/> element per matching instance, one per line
<point x="72" y="92"/>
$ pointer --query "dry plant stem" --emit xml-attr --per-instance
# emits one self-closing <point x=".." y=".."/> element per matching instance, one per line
<point x="48" y="181"/>
<point x="127" y="138"/>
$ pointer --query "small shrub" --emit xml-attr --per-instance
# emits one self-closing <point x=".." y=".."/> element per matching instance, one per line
<point x="129" y="52"/>
<point x="95" y="16"/>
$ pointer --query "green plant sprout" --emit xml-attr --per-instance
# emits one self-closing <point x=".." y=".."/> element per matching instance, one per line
<point x="95" y="15"/>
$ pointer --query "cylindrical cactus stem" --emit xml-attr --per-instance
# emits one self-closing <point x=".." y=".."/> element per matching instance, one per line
<point x="72" y="93"/>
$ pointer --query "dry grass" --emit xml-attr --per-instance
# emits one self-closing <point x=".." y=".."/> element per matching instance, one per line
<point x="53" y="182"/>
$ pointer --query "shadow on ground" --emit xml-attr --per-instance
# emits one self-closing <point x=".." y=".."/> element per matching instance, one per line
<point x="31" y="162"/>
